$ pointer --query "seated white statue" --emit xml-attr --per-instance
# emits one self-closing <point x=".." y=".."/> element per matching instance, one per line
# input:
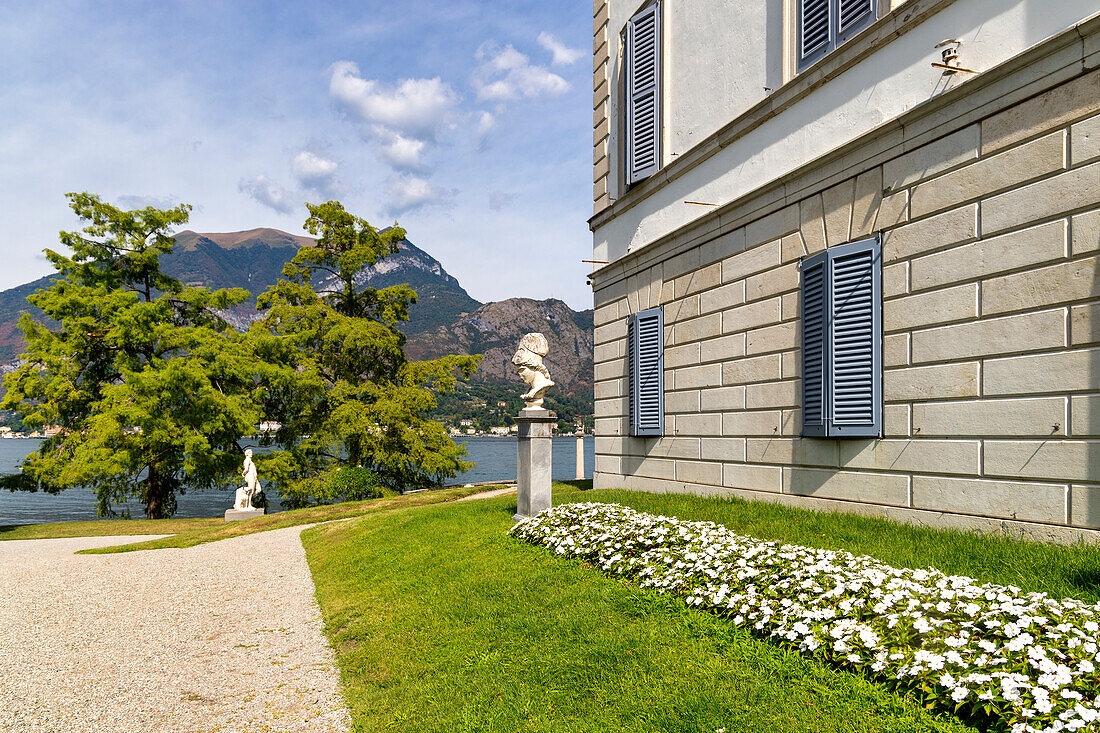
<point x="251" y="483"/>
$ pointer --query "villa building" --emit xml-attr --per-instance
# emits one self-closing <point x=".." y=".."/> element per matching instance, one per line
<point x="852" y="253"/>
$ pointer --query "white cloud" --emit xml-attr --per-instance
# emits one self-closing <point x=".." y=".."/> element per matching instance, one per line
<point x="403" y="120"/>
<point x="316" y="173"/>
<point x="562" y="54"/>
<point x="504" y="59"/>
<point x="140" y="202"/>
<point x="505" y="73"/>
<point x="485" y="123"/>
<point x="417" y="108"/>
<point x="401" y="153"/>
<point x="406" y="193"/>
<point x="265" y="191"/>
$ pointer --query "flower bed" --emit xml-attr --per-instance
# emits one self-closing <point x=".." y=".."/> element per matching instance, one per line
<point x="1019" y="662"/>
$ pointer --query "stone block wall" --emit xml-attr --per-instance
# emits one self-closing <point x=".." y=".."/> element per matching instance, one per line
<point x="601" y="101"/>
<point x="991" y="315"/>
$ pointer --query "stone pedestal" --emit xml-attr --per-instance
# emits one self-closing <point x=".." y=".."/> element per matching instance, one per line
<point x="580" y="457"/>
<point x="235" y="515"/>
<point x="533" y="464"/>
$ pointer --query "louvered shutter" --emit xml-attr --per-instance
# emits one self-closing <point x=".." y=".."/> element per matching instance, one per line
<point x="825" y="24"/>
<point x="814" y="355"/>
<point x="813" y="30"/>
<point x="645" y="373"/>
<point x="852" y="15"/>
<point x="643" y="82"/>
<point x="842" y="341"/>
<point x="856" y="324"/>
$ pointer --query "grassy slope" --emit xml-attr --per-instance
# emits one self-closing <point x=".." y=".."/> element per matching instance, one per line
<point x="292" y="518"/>
<point x="103" y="528"/>
<point x="442" y="622"/>
<point x="191" y="532"/>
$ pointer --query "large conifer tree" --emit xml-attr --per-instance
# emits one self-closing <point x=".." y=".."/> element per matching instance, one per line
<point x="151" y="389"/>
<point x="341" y="387"/>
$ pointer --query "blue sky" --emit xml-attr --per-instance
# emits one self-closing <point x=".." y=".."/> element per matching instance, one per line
<point x="467" y="122"/>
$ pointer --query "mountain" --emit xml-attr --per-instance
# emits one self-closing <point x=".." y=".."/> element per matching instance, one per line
<point x="439" y="297"/>
<point x="445" y="319"/>
<point x="254" y="260"/>
<point x="495" y="329"/>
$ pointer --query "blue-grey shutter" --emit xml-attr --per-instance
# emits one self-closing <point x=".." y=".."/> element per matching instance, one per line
<point x="631" y="375"/>
<point x="852" y="15"/>
<point x="855" y="392"/>
<point x="643" y="92"/>
<point x="825" y="24"/>
<point x="645" y="370"/>
<point x="813" y="30"/>
<point x="842" y="341"/>
<point x="815" y="363"/>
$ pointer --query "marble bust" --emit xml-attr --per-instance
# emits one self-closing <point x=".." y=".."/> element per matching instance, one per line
<point x="532" y="349"/>
<point x="251" y="483"/>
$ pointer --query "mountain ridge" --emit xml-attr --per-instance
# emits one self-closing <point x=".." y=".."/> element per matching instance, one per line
<point x="445" y="320"/>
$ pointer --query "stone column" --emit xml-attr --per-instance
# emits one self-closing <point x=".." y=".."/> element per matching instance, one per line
<point x="533" y="464"/>
<point x="580" y="456"/>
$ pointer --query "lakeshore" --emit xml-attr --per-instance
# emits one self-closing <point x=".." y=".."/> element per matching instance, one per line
<point x="494" y="456"/>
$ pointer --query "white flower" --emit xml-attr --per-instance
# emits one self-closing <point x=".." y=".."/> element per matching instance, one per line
<point x="918" y="626"/>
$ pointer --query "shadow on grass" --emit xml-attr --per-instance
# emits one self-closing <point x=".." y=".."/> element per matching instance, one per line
<point x="509" y="636"/>
<point x="1059" y="570"/>
<point x="1087" y="579"/>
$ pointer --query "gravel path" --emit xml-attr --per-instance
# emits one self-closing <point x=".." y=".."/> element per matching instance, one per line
<point x="222" y="637"/>
<point x="490" y="494"/>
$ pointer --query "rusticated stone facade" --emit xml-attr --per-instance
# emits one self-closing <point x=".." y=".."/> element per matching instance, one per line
<point x="601" y="99"/>
<point x="988" y="207"/>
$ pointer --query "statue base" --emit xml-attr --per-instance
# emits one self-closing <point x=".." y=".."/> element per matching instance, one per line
<point x="534" y="460"/>
<point x="235" y="515"/>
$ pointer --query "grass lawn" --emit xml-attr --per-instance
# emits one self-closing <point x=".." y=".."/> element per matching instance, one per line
<point x="102" y="528"/>
<point x="191" y="532"/>
<point x="1055" y="569"/>
<point x="442" y="622"/>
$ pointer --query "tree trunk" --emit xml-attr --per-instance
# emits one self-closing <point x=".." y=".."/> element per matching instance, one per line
<point x="155" y="495"/>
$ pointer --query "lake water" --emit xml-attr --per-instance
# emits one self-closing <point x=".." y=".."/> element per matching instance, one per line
<point x="495" y="460"/>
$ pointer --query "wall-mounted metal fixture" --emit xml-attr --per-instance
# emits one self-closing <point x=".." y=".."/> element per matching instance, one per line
<point x="596" y="262"/>
<point x="700" y="203"/>
<point x="950" y="54"/>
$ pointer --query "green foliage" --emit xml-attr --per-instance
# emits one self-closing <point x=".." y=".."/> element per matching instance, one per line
<point x="339" y="382"/>
<point x="150" y="387"/>
<point x="480" y="402"/>
<point x="355" y="484"/>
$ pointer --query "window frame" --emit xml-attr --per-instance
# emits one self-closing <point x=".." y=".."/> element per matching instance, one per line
<point x="634" y="367"/>
<point x="836" y="38"/>
<point x="827" y="427"/>
<point x="632" y="177"/>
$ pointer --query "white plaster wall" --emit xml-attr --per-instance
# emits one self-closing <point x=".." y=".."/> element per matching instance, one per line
<point x="706" y="90"/>
<point x="886" y="84"/>
<point x="717" y="62"/>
